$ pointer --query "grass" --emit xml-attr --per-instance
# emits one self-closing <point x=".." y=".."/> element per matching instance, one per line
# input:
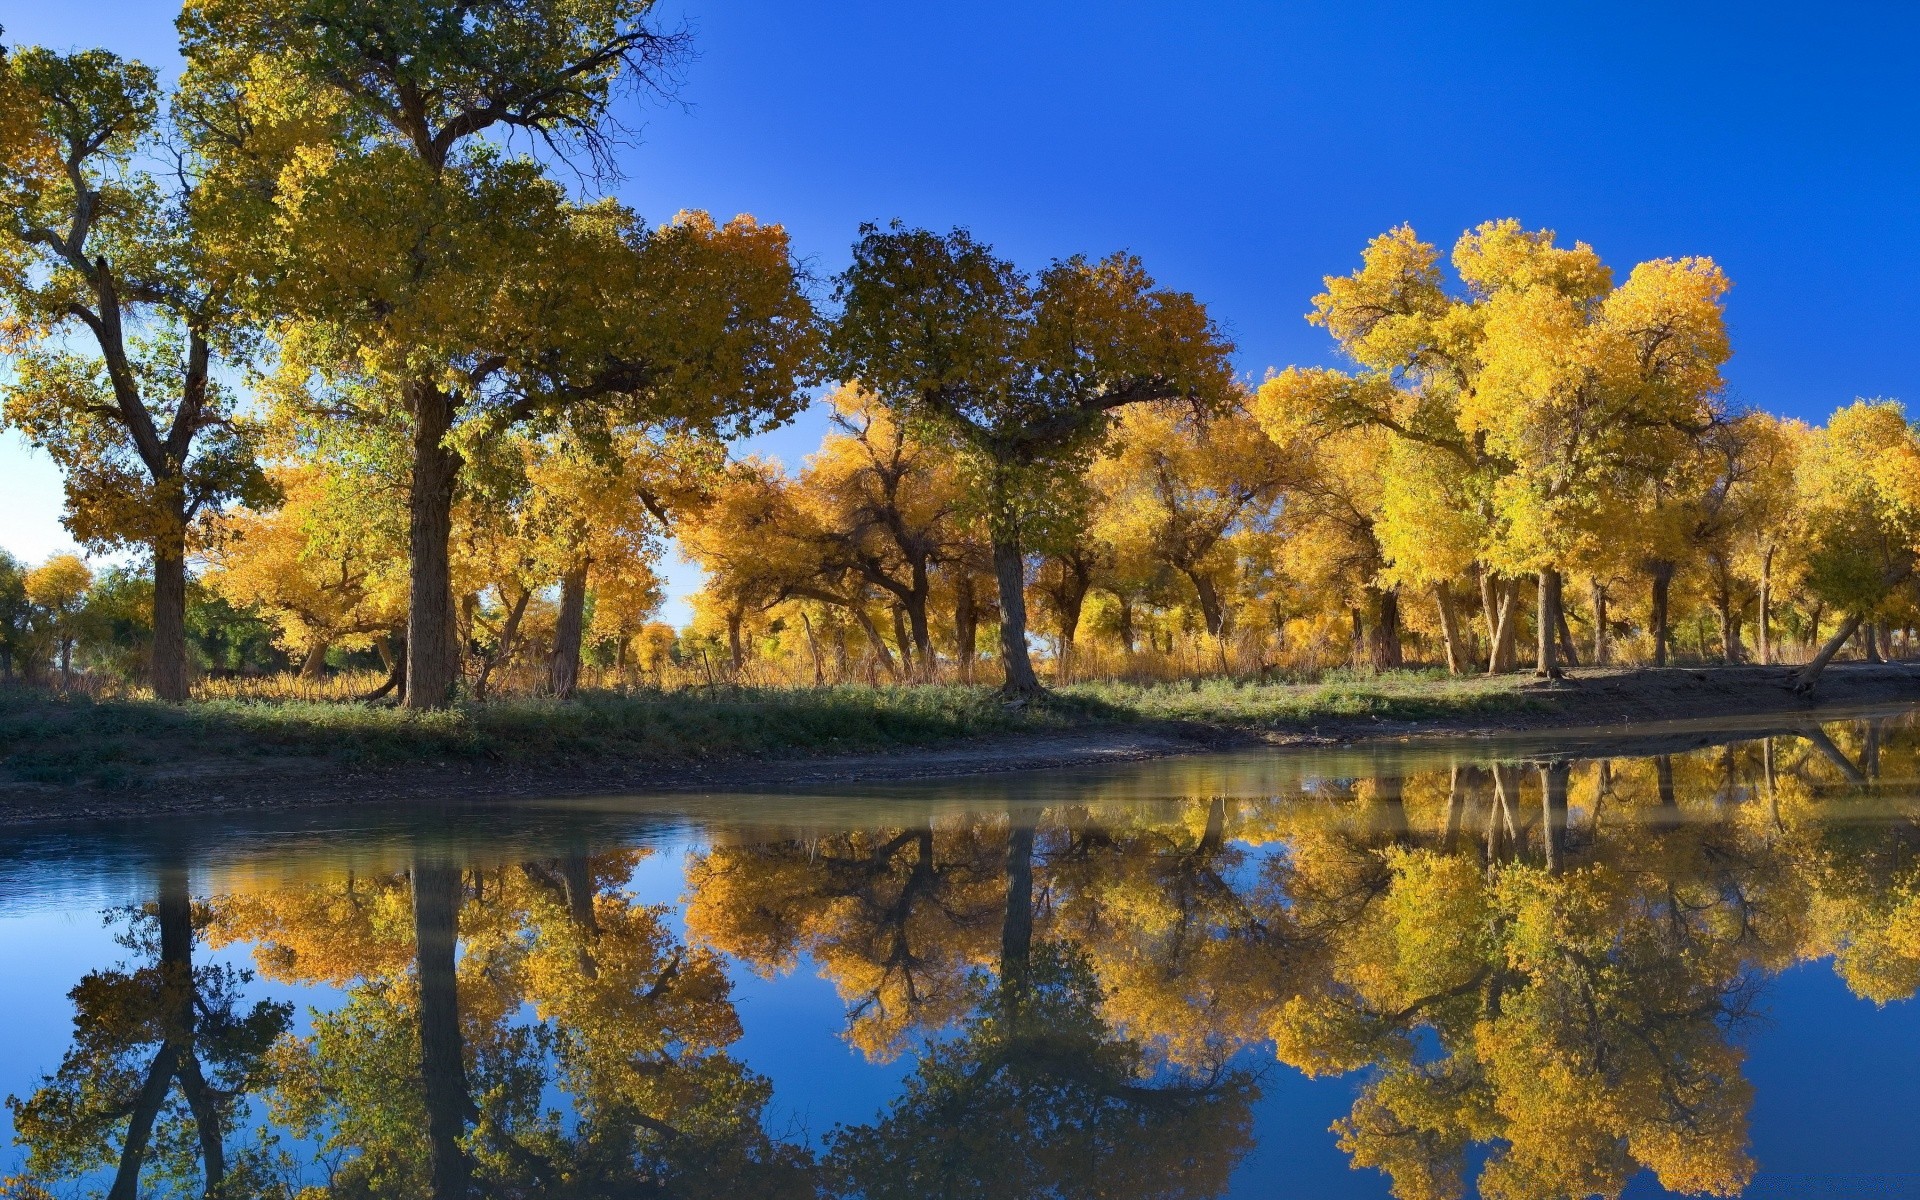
<point x="67" y="739"/>
<point x="1240" y="703"/>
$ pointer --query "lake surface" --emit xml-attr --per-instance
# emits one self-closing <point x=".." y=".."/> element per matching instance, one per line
<point x="1659" y="962"/>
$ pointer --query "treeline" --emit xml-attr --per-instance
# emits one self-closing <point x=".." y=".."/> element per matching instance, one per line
<point x="321" y="317"/>
<point x="64" y="622"/>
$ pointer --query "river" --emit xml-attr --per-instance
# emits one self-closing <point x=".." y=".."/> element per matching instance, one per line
<point x="1675" y="960"/>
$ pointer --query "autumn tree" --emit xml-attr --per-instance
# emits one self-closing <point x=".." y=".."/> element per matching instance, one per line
<point x="1180" y="482"/>
<point x="1019" y="373"/>
<point x="57" y="589"/>
<point x="1544" y="384"/>
<point x="883" y="506"/>
<point x="486" y="298"/>
<point x="119" y="306"/>
<point x="1858" y="486"/>
<point x="319" y="566"/>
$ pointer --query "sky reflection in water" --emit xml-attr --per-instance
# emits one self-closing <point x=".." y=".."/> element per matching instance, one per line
<point x="1563" y="966"/>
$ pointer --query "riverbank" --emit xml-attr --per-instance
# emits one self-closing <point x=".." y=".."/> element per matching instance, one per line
<point x="73" y="758"/>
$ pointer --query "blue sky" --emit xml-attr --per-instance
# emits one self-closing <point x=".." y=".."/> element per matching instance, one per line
<point x="1245" y="150"/>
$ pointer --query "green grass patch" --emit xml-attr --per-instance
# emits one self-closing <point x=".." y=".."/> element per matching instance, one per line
<point x="47" y="738"/>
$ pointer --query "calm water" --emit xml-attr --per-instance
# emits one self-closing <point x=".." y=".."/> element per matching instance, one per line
<point x="1659" y="963"/>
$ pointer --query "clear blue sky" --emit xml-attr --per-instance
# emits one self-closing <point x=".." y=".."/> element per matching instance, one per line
<point x="1245" y="150"/>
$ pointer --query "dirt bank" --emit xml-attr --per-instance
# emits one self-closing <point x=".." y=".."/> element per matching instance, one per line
<point x="1611" y="705"/>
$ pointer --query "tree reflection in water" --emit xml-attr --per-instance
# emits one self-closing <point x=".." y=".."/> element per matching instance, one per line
<point x="1538" y="969"/>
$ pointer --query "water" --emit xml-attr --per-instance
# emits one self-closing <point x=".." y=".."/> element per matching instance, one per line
<point x="1676" y="960"/>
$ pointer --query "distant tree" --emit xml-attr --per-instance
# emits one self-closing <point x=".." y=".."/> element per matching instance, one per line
<point x="1859" y="489"/>
<point x="16" y="612"/>
<point x="57" y="589"/>
<point x="1019" y="373"/>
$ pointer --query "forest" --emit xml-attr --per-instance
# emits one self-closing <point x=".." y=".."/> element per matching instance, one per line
<point x="370" y="393"/>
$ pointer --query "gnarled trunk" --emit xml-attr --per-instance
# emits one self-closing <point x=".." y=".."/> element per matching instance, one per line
<point x="1807" y="677"/>
<point x="1383" y="641"/>
<point x="433" y="649"/>
<point x="563" y="665"/>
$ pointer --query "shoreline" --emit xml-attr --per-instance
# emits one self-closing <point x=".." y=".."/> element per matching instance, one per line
<point x="1614" y="706"/>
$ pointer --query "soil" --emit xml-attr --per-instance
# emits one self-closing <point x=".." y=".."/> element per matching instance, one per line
<point x="1620" y="707"/>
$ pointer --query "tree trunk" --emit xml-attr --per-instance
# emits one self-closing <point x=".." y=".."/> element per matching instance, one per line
<point x="1599" y="591"/>
<point x="1010" y="573"/>
<point x="1212" y="611"/>
<point x="1125" y="621"/>
<point x="170" y="616"/>
<point x="1763" y="630"/>
<point x="1723" y="611"/>
<point x="395" y="659"/>
<point x="921" y="629"/>
<point x="1662" y="575"/>
<point x="1569" y="652"/>
<point x="1500" y="600"/>
<point x="878" y="643"/>
<point x="443" y="1067"/>
<point x="736" y="650"/>
<point x="1869" y="652"/>
<point x="1546" y="621"/>
<point x="1383" y="646"/>
<point x="1357" y="655"/>
<point x="813" y="648"/>
<point x="903" y="640"/>
<point x="1807" y="677"/>
<point x="433" y="649"/>
<point x="563" y="666"/>
<point x="1450" y="629"/>
<point x="966" y="625"/>
<point x="315" y="664"/>
<point x="509" y="638"/>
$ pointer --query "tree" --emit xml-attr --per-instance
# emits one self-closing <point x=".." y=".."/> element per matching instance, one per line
<point x="320" y="567"/>
<point x="1545" y="384"/>
<point x="57" y="588"/>
<point x="1858" y="485"/>
<point x="16" y="617"/>
<point x="486" y="298"/>
<point x="1019" y="374"/>
<point x="883" y="505"/>
<point x="120" y="305"/>
<point x="1179" y="483"/>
